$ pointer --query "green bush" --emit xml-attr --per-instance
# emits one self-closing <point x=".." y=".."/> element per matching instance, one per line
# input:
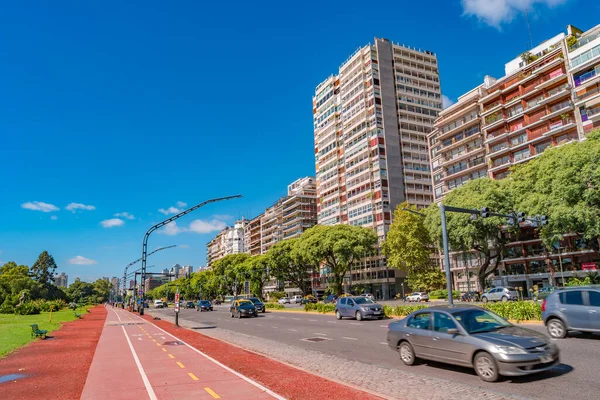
<point x="401" y="311"/>
<point x="45" y="305"/>
<point x="276" y="295"/>
<point x="274" y="306"/>
<point x="517" y="310"/>
<point x="310" y="307"/>
<point x="27" y="308"/>
<point x="443" y="294"/>
<point x="320" y="307"/>
<point x="7" y="308"/>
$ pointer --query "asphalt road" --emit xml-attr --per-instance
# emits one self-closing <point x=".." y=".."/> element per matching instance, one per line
<point x="578" y="376"/>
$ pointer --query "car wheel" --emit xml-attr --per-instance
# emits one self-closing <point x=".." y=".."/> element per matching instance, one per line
<point x="232" y="314"/>
<point x="239" y="315"/>
<point x="504" y="299"/>
<point x="358" y="316"/>
<point x="484" y="299"/>
<point x="486" y="368"/>
<point x="407" y="354"/>
<point x="556" y="328"/>
<point x="337" y="314"/>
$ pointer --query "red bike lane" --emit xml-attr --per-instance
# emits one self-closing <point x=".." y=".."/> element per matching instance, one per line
<point x="147" y="362"/>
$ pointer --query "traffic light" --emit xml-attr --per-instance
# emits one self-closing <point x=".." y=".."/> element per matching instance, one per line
<point x="520" y="217"/>
<point x="485" y="212"/>
<point x="543" y="220"/>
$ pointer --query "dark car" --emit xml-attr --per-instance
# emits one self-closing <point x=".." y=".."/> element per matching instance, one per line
<point x="572" y="309"/>
<point x="310" y="299"/>
<point x="332" y="298"/>
<point x="204" y="305"/>
<point x="242" y="308"/>
<point x="472" y="337"/>
<point x="259" y="305"/>
<point x="358" y="307"/>
<point x="190" y="304"/>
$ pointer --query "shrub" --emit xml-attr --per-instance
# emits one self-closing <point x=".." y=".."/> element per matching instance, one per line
<point x="519" y="310"/>
<point x="27" y="308"/>
<point x="401" y="311"/>
<point x="276" y="295"/>
<point x="310" y="307"/>
<point x="443" y="294"/>
<point x="7" y="308"/>
<point x="274" y="306"/>
<point x="320" y="307"/>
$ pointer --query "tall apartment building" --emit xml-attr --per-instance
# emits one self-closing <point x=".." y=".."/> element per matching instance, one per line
<point x="252" y="235"/>
<point x="371" y="122"/>
<point x="229" y="241"/>
<point x="61" y="280"/>
<point x="550" y="95"/>
<point x="299" y="207"/>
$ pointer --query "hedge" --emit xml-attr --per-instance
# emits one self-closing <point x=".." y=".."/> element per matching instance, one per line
<point x="274" y="306"/>
<point x="443" y="294"/>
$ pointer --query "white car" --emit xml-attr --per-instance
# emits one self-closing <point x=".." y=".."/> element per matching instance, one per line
<point x="158" y="304"/>
<point x="284" y="300"/>
<point x="369" y="296"/>
<point x="296" y="300"/>
<point x="418" y="297"/>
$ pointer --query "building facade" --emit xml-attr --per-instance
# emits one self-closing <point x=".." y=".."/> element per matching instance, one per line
<point x="230" y="240"/>
<point x="61" y="280"/>
<point x="371" y="122"/>
<point x="550" y="95"/>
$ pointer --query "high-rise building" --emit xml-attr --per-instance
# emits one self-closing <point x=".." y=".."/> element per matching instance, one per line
<point x="299" y="207"/>
<point x="549" y="95"/>
<point x="131" y="284"/>
<point x="115" y="283"/>
<point x="252" y="235"/>
<point x="229" y="241"/>
<point x="186" y="270"/>
<point x="371" y="122"/>
<point x="61" y="280"/>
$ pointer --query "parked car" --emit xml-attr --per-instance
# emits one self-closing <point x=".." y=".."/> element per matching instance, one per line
<point x="204" y="305"/>
<point x="572" y="309"/>
<point x="369" y="296"/>
<point x="296" y="300"/>
<point x="259" y="305"/>
<point x="309" y="299"/>
<point x="158" y="304"/>
<point x="543" y="293"/>
<point x="358" y="307"/>
<point x="332" y="298"/>
<point x="190" y="304"/>
<point x="469" y="296"/>
<point x="242" y="308"/>
<point x="500" y="294"/>
<point x="472" y="337"/>
<point x="418" y="297"/>
<point x="284" y="300"/>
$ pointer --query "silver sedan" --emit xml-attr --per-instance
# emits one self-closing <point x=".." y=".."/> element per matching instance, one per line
<point x="472" y="337"/>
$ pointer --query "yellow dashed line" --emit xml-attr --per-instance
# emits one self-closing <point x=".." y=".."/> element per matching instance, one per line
<point x="163" y="349"/>
<point x="194" y="377"/>
<point x="180" y="365"/>
<point x="212" y="393"/>
<point x="171" y="355"/>
<point x="154" y="340"/>
<point x="158" y="344"/>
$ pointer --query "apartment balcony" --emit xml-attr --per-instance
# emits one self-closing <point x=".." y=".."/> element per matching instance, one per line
<point x="494" y="121"/>
<point x="593" y="114"/>
<point x="587" y="59"/>
<point x="512" y="101"/>
<point x="494" y="138"/>
<point x="457" y="143"/>
<point x="559" y="127"/>
<point x="495" y="106"/>
<point x="468" y="154"/>
<point x="497" y="152"/>
<point x="548" y="81"/>
<point x="471" y="166"/>
<point x="587" y="79"/>
<point x="557" y="110"/>
<point x="587" y="96"/>
<point x="458" y="128"/>
<point x="556" y="93"/>
<point x="557" y="61"/>
<point x="491" y="96"/>
<point x="494" y="168"/>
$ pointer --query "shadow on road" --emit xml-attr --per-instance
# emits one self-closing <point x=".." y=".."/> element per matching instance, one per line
<point x="580" y="335"/>
<point x="204" y="327"/>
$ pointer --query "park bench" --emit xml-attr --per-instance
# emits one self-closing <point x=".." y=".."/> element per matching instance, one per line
<point x="37" y="332"/>
<point x="78" y="316"/>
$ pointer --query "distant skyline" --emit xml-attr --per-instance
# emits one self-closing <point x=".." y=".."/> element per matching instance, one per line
<point x="114" y="116"/>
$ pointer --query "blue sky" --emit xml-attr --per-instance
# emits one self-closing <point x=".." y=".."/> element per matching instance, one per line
<point x="132" y="108"/>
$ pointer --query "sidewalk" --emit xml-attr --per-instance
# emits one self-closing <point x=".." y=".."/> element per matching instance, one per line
<point x="137" y="360"/>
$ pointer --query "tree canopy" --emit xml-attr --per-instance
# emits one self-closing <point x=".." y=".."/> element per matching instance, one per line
<point x="44" y="268"/>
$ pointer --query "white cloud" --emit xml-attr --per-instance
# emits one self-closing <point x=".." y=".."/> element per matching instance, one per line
<point x="80" y="260"/>
<point x="39" y="206"/>
<point x="78" y="206"/>
<point x="110" y="223"/>
<point x="170" y="210"/>
<point x="497" y="12"/>
<point x="54" y="218"/>
<point x="125" y="215"/>
<point x="181" y="204"/>
<point x="199" y="226"/>
<point x="446" y="101"/>
<point x="196" y="226"/>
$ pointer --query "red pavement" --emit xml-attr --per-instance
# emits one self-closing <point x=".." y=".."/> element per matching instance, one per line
<point x="136" y="360"/>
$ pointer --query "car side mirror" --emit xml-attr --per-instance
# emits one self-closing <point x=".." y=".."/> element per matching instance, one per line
<point x="453" y="331"/>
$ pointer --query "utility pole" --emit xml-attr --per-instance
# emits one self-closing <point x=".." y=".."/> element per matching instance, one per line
<point x="446" y="254"/>
<point x="528" y="28"/>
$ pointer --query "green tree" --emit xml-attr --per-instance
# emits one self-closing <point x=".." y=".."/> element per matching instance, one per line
<point x="408" y="245"/>
<point x="228" y="273"/>
<point x="335" y="248"/>
<point x="427" y="279"/>
<point x="15" y="279"/>
<point x="80" y="292"/>
<point x="481" y="235"/>
<point x="43" y="269"/>
<point x="258" y="271"/>
<point x="102" y="290"/>
<point x="289" y="264"/>
<point x="205" y="284"/>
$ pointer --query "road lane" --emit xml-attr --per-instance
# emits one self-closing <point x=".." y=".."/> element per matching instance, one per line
<point x="579" y="354"/>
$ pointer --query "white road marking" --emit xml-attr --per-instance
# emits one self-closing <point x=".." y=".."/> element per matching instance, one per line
<point x="139" y="338"/>
<point x="349" y="338"/>
<point x="297" y="319"/>
<point x="331" y="322"/>
<point x="383" y="326"/>
<point x="293" y="330"/>
<point x="250" y="381"/>
<point x="355" y="323"/>
<point x="275" y="327"/>
<point x="281" y="317"/>
<point x="320" y="334"/>
<point x="259" y="324"/>
<point x="382" y="342"/>
<point x="312" y="320"/>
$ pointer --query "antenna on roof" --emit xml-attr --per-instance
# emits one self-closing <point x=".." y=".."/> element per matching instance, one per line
<point x="528" y="28"/>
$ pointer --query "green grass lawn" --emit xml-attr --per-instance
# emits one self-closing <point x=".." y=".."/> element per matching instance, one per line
<point x="15" y="330"/>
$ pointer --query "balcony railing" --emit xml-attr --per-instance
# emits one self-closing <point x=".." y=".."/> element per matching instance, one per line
<point x="584" y="41"/>
<point x="587" y="94"/>
<point x="559" y="106"/>
<point x="467" y="165"/>
<point x="585" y="57"/>
<point x="579" y="80"/>
<point x="494" y="104"/>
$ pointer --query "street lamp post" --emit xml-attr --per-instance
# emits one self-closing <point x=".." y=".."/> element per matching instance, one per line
<point x="446" y="254"/>
<point x="163" y="223"/>
<point x="137" y="261"/>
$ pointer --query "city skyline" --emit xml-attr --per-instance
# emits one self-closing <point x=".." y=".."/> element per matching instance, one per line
<point x="92" y="215"/>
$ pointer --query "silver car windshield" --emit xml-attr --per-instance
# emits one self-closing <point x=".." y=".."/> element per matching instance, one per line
<point x="362" y="300"/>
<point x="478" y="321"/>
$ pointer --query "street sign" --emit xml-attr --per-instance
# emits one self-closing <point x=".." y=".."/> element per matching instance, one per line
<point x="176" y="302"/>
<point x="589" y="266"/>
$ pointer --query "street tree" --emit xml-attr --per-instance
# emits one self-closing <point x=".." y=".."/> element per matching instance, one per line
<point x="102" y="288"/>
<point x="43" y="269"/>
<point x="482" y="236"/>
<point x="427" y="278"/>
<point x="288" y="264"/>
<point x="335" y="248"/>
<point x="257" y="269"/>
<point x="228" y="273"/>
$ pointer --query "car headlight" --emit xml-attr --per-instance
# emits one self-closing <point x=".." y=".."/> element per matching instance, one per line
<point x="365" y="308"/>
<point x="508" y="350"/>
